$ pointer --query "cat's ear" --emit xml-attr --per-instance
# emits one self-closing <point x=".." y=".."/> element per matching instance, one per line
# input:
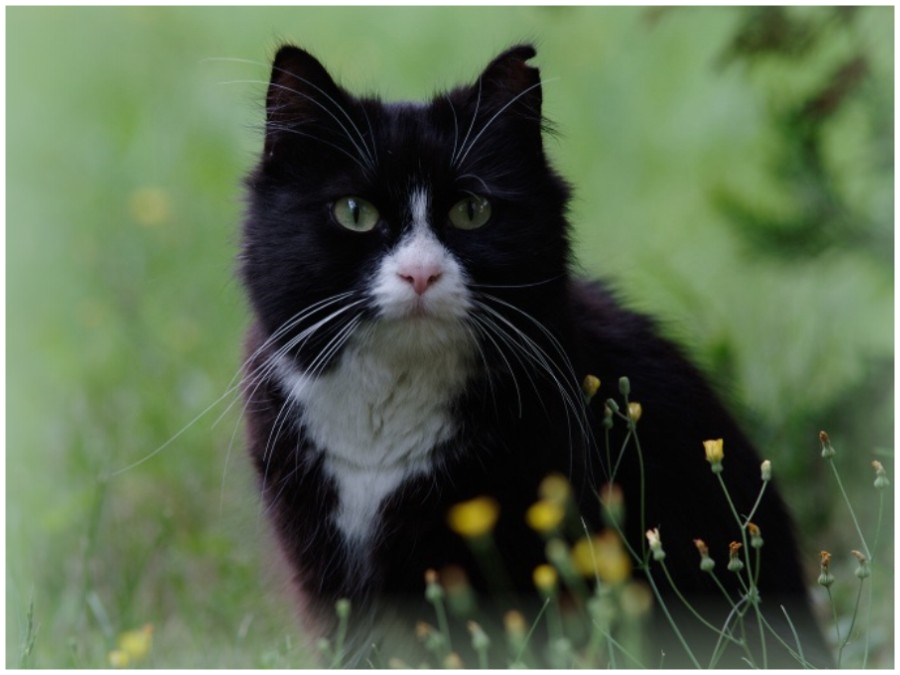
<point x="508" y="81"/>
<point x="300" y="92"/>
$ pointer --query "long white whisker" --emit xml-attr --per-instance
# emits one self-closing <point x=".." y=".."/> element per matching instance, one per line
<point x="493" y="118"/>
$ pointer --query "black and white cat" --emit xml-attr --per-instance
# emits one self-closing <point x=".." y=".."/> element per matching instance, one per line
<point x="419" y="340"/>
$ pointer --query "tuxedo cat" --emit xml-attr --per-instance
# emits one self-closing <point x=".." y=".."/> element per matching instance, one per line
<point x="419" y="340"/>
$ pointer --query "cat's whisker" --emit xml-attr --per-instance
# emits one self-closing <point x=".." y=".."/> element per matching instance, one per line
<point x="491" y="120"/>
<point x="533" y="284"/>
<point x="455" y="159"/>
<point x="570" y="393"/>
<point x="362" y="147"/>
<point x="486" y="329"/>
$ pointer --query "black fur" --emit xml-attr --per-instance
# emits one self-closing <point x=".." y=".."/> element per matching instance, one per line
<point x="322" y="143"/>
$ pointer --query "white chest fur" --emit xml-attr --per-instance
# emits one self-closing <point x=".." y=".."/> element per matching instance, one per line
<point x="379" y="413"/>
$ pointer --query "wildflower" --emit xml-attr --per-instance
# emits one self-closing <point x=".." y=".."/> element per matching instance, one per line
<point x="624" y="386"/>
<point x="826" y="578"/>
<point x="589" y="386"/>
<point x="734" y="560"/>
<point x="545" y="579"/>
<point x="634" y="411"/>
<point x="714" y="454"/>
<point x="756" y="540"/>
<point x="862" y="570"/>
<point x="655" y="544"/>
<point x="480" y="640"/>
<point x="602" y="556"/>
<point x="613" y="502"/>
<point x="150" y="206"/>
<point x="706" y="563"/>
<point x="544" y="516"/>
<point x="133" y="646"/>
<point x="827" y="449"/>
<point x="607" y="417"/>
<point x="514" y="623"/>
<point x="434" y="592"/>
<point x="881" y="479"/>
<point x="555" y="488"/>
<point x="612" y="405"/>
<point x="636" y="600"/>
<point x="342" y="607"/>
<point x="765" y="470"/>
<point x="118" y="658"/>
<point x="474" y="518"/>
<point x="453" y="661"/>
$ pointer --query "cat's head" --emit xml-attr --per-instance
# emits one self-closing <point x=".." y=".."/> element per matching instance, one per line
<point x="416" y="213"/>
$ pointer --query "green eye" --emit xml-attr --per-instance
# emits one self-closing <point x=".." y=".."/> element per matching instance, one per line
<point x="355" y="214"/>
<point x="470" y="213"/>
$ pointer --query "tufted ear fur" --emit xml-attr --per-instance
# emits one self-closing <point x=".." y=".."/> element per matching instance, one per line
<point x="509" y="81"/>
<point x="301" y="93"/>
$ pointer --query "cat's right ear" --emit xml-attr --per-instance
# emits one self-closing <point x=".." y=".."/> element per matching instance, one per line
<point x="300" y="92"/>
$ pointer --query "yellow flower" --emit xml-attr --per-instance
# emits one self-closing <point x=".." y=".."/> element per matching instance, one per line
<point x="474" y="518"/>
<point x="714" y="454"/>
<point x="590" y="385"/>
<point x="150" y="206"/>
<point x="545" y="578"/>
<point x="133" y="645"/>
<point x="556" y="488"/>
<point x="602" y="556"/>
<point x="714" y="450"/>
<point x="544" y="516"/>
<point x="118" y="659"/>
<point x="634" y="411"/>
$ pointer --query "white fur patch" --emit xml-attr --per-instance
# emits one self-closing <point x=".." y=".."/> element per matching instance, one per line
<point x="381" y="410"/>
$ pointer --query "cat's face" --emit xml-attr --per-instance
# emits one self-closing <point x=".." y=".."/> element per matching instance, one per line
<point x="403" y="215"/>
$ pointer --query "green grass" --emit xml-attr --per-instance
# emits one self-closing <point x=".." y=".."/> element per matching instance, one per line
<point x="128" y="132"/>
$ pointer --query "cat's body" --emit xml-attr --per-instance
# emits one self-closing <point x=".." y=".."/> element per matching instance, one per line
<point x="419" y="341"/>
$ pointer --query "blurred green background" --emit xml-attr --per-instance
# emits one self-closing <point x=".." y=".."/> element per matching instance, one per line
<point x="734" y="175"/>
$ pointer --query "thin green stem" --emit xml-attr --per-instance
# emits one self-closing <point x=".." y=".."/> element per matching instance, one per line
<point x="840" y="483"/>
<point x="849" y="634"/>
<point x="759" y="497"/>
<point x="672" y="623"/>
<point x="690" y="607"/>
<point x="525" y="642"/>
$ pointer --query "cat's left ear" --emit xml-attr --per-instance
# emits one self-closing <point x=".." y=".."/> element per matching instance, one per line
<point x="508" y="81"/>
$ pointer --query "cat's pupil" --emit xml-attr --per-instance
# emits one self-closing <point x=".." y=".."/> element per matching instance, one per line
<point x="354" y="210"/>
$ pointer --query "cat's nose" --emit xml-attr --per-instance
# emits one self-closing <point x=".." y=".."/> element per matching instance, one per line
<point x="421" y="278"/>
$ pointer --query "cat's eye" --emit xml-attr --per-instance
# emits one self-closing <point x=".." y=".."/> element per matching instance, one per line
<point x="355" y="214"/>
<point x="470" y="212"/>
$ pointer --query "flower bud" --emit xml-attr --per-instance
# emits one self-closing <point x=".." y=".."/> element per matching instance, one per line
<point x="881" y="479"/>
<point x="714" y="454"/>
<point x="707" y="564"/>
<point x="756" y="540"/>
<point x="827" y="449"/>
<point x="765" y="470"/>
<point x="825" y="577"/>
<point x="634" y="411"/>
<point x="655" y="543"/>
<point x="589" y="386"/>
<point x="862" y="570"/>
<point x="734" y="561"/>
<point x="624" y="386"/>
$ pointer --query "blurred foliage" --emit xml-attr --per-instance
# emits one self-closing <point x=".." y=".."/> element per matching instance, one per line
<point x="734" y="176"/>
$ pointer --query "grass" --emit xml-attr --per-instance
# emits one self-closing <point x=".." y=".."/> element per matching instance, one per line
<point x="128" y="131"/>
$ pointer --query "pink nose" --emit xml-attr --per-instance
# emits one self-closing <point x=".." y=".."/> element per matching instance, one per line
<point x="420" y="278"/>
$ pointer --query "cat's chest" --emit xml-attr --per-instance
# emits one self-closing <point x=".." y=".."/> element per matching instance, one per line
<point x="377" y="416"/>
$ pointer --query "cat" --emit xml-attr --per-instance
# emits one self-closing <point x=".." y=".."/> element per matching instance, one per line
<point x="419" y="340"/>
